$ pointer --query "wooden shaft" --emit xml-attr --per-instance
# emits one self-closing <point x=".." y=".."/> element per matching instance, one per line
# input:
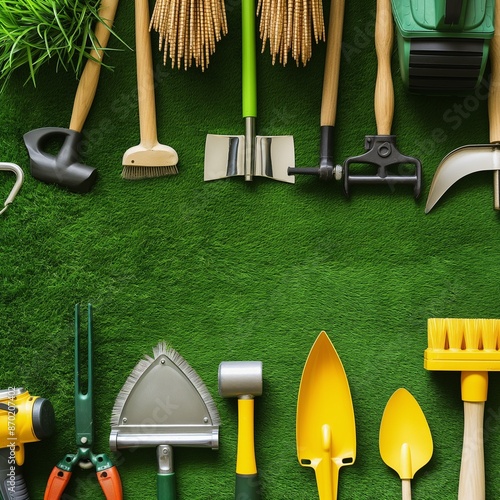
<point x="90" y="76"/>
<point x="384" y="91"/>
<point x="406" y="489"/>
<point x="494" y="99"/>
<point x="471" y="486"/>
<point x="145" y="79"/>
<point x="332" y="63"/>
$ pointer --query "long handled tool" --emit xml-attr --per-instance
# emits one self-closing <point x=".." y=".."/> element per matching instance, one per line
<point x="469" y="346"/>
<point x="249" y="155"/>
<point x="381" y="150"/>
<point x="475" y="158"/>
<point x="243" y="379"/>
<point x="107" y="473"/>
<point x="65" y="169"/>
<point x="325" y="427"/>
<point x="149" y="158"/>
<point x="327" y="167"/>
<point x="164" y="403"/>
<point x="405" y="440"/>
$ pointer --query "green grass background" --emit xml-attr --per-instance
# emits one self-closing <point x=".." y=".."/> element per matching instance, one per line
<point x="230" y="270"/>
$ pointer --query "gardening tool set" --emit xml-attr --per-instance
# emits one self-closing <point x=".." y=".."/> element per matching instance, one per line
<point x="164" y="403"/>
<point x="443" y="48"/>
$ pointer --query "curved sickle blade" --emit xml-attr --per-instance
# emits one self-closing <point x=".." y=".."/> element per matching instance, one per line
<point x="462" y="161"/>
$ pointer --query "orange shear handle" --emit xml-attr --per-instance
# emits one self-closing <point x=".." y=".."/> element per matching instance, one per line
<point x="111" y="484"/>
<point x="56" y="484"/>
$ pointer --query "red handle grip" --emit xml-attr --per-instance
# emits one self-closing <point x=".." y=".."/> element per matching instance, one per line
<point x="56" y="484"/>
<point x="111" y="484"/>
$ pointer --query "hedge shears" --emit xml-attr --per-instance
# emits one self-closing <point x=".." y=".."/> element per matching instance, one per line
<point x="107" y="473"/>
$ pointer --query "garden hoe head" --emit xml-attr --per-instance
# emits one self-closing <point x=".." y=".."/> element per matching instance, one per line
<point x="65" y="169"/>
<point x="164" y="403"/>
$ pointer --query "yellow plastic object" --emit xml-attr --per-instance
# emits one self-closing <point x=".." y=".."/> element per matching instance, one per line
<point x="325" y="427"/>
<point x="472" y="347"/>
<point x="16" y="423"/>
<point x="405" y="440"/>
<point x="462" y="344"/>
<point x="245" y="459"/>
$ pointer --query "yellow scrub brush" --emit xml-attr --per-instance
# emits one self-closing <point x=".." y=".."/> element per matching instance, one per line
<point x="469" y="346"/>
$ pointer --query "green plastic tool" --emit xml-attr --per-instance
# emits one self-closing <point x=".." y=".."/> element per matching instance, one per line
<point x="443" y="45"/>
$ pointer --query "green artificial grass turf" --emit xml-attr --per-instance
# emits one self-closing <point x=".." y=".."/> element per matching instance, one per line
<point x="230" y="270"/>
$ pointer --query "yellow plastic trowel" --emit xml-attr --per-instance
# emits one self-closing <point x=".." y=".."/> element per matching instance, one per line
<point x="325" y="427"/>
<point x="405" y="439"/>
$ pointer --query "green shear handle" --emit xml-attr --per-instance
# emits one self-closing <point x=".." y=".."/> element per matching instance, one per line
<point x="107" y="474"/>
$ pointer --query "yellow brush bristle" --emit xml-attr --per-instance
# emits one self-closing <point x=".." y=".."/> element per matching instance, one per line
<point x="462" y="344"/>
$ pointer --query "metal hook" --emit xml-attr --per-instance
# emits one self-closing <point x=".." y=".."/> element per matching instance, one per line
<point x="12" y="167"/>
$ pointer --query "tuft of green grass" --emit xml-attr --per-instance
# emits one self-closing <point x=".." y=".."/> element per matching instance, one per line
<point x="32" y="32"/>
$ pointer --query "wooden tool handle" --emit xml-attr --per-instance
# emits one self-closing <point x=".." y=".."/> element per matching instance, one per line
<point x="494" y="92"/>
<point x="332" y="63"/>
<point x="145" y="80"/>
<point x="494" y="99"/>
<point x="384" y="91"/>
<point x="406" y="489"/>
<point x="471" y="485"/>
<point x="90" y="76"/>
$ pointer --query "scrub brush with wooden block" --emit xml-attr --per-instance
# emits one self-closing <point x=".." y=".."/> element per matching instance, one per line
<point x="471" y="347"/>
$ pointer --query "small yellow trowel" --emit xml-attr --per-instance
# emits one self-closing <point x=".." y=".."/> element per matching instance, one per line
<point x="405" y="439"/>
<point x="326" y="431"/>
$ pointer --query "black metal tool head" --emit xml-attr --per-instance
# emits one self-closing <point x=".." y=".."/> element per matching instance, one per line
<point x="327" y="167"/>
<point x="64" y="169"/>
<point x="381" y="152"/>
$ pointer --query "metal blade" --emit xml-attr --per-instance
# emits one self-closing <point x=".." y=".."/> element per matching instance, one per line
<point x="462" y="161"/>
<point x="224" y="156"/>
<point x="273" y="156"/>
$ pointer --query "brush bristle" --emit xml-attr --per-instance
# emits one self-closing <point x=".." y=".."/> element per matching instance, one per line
<point x="162" y="349"/>
<point x="194" y="378"/>
<point x="463" y="344"/>
<point x="136" y="172"/>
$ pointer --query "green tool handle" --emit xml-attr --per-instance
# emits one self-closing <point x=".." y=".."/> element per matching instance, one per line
<point x="247" y="487"/>
<point x="166" y="486"/>
<point x="249" y="71"/>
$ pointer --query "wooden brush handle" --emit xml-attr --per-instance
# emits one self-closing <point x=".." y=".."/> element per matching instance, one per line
<point x="145" y="80"/>
<point x="494" y="98"/>
<point x="90" y="76"/>
<point x="332" y="63"/>
<point x="384" y="91"/>
<point x="406" y="489"/>
<point x="471" y="485"/>
<point x="494" y="92"/>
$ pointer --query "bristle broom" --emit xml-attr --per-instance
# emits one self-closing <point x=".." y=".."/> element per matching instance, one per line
<point x="462" y="344"/>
